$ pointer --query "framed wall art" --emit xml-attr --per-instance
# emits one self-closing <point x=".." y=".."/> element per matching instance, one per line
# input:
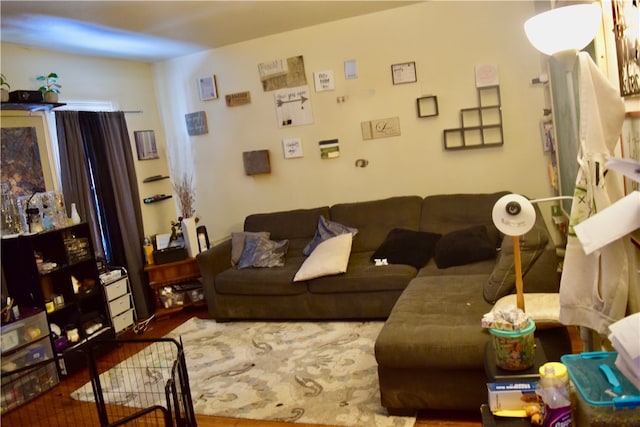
<point x="404" y="73"/>
<point x="196" y="123"/>
<point x="146" y="144"/>
<point x="208" y="88"/>
<point x="26" y="162"/>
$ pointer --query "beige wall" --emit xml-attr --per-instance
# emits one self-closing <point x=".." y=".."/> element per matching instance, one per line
<point x="438" y="36"/>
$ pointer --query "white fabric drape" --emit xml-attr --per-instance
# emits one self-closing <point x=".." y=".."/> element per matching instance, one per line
<point x="594" y="289"/>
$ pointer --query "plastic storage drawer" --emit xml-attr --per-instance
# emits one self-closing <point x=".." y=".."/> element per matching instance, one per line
<point x="25" y="330"/>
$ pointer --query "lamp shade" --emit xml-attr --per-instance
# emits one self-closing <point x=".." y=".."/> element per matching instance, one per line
<point x="568" y="28"/>
<point x="513" y="215"/>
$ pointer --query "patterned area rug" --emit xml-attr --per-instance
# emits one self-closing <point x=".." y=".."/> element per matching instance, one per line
<point x="305" y="372"/>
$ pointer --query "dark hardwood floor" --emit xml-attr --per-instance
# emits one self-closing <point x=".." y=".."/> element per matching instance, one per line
<point x="56" y="409"/>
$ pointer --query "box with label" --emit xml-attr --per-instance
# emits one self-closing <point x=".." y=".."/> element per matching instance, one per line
<point x="511" y="396"/>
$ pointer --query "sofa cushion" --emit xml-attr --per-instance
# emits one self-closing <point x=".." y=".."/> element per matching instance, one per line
<point x="298" y="226"/>
<point x="445" y="213"/>
<point x="237" y="244"/>
<point x="329" y="257"/>
<point x="261" y="281"/>
<point x="374" y="219"/>
<point x="259" y="251"/>
<point x="464" y="247"/>
<point x="410" y="247"/>
<point x="363" y="276"/>
<point x="326" y="230"/>
<point x="502" y="280"/>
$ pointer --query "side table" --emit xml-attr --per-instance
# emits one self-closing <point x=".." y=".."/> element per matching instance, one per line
<point x="496" y="374"/>
<point x="169" y="274"/>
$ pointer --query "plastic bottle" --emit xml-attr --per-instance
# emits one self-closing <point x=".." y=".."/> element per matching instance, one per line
<point x="553" y="394"/>
<point x="148" y="251"/>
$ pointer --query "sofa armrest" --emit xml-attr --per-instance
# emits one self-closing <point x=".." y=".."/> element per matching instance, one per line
<point x="212" y="262"/>
<point x="539" y="266"/>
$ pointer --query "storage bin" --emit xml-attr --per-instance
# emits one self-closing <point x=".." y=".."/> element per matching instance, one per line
<point x="514" y="350"/>
<point x="595" y="400"/>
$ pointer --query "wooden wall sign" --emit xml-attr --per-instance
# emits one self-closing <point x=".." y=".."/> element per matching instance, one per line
<point x="240" y="98"/>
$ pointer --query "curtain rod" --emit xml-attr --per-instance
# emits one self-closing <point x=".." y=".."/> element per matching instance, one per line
<point x="133" y="111"/>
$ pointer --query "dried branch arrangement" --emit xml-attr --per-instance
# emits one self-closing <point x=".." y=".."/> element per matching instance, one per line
<point x="183" y="187"/>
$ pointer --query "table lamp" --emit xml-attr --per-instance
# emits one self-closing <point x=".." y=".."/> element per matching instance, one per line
<point x="514" y="215"/>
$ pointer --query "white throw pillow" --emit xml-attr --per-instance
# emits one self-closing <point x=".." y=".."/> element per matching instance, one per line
<point x="329" y="257"/>
<point x="544" y="309"/>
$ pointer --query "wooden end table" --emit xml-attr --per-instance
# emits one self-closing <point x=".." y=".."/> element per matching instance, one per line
<point x="172" y="273"/>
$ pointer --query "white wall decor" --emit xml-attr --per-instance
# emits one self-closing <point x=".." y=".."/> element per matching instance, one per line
<point x="293" y="107"/>
<point x="292" y="148"/>
<point x="324" y="80"/>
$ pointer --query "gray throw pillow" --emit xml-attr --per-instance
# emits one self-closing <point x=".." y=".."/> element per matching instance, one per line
<point x="326" y="230"/>
<point x="261" y="252"/>
<point x="503" y="278"/>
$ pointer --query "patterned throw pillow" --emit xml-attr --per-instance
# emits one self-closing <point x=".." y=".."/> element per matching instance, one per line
<point x="237" y="243"/>
<point x="261" y="252"/>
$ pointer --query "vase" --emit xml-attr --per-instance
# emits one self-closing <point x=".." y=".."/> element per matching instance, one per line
<point x="75" y="217"/>
<point x="50" y="97"/>
<point x="190" y="236"/>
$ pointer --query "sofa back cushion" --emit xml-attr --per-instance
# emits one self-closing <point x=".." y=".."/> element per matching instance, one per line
<point x="375" y="219"/>
<point x="451" y="212"/>
<point x="297" y="226"/>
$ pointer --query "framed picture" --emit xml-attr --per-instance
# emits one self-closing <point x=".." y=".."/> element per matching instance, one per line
<point x="146" y="144"/>
<point x="630" y="139"/>
<point x="196" y="123"/>
<point x="626" y="21"/>
<point x="546" y="133"/>
<point x="208" y="88"/>
<point x="404" y="73"/>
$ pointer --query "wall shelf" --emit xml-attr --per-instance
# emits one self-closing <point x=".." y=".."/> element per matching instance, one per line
<point x="30" y="106"/>
<point x="157" y="198"/>
<point x="481" y="127"/>
<point x="155" y="178"/>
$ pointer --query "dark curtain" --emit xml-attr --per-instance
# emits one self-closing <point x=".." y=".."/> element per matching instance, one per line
<point x="95" y="154"/>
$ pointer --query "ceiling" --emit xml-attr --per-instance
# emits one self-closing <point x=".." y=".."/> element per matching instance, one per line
<point x="157" y="30"/>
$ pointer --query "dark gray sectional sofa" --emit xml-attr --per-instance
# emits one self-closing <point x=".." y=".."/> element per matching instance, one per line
<point x="430" y="351"/>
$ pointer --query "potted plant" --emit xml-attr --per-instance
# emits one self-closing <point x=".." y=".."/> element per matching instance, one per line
<point x="50" y="89"/>
<point x="5" y="88"/>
